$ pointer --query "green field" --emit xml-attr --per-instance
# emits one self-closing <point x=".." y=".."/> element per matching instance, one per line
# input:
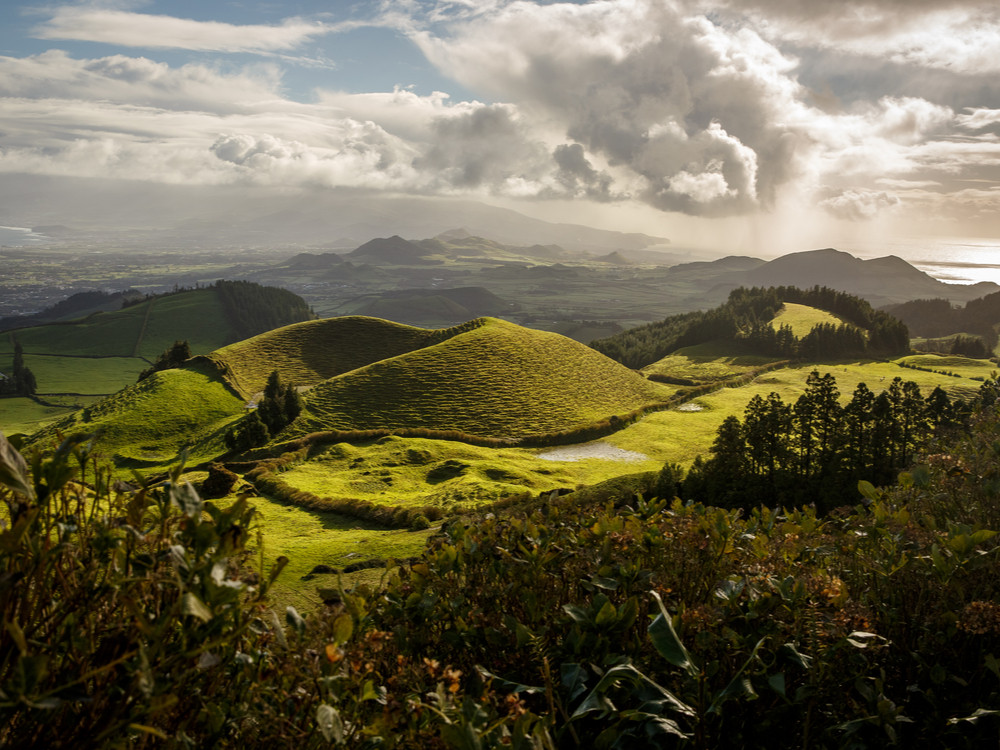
<point x="416" y="471"/>
<point x="94" y="376"/>
<point x="495" y="380"/>
<point x="413" y="471"/>
<point x="25" y="415"/>
<point x="197" y="317"/>
<point x="311" y="538"/>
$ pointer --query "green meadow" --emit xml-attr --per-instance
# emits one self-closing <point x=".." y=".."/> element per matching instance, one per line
<point x="706" y="363"/>
<point x="803" y="318"/>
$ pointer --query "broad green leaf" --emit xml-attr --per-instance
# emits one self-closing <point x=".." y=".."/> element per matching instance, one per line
<point x="860" y="639"/>
<point x="777" y="683"/>
<point x="186" y="499"/>
<point x="343" y="627"/>
<point x="666" y="641"/>
<point x="146" y="729"/>
<point x="790" y="652"/>
<point x="507" y="686"/>
<point x="868" y="491"/>
<point x="277" y="628"/>
<point x="607" y="614"/>
<point x="976" y="715"/>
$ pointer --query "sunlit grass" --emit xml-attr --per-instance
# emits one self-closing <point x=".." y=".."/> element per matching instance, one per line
<point x="708" y="362"/>
<point x="496" y="380"/>
<point x="803" y="318"/>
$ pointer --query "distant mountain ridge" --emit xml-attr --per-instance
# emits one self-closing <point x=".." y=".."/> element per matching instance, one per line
<point x="881" y="281"/>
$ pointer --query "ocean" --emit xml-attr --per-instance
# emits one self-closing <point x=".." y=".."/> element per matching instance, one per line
<point x="955" y="260"/>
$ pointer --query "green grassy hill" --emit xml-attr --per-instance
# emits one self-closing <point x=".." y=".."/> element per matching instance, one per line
<point x="497" y="379"/>
<point x="803" y="318"/>
<point x="308" y="353"/>
<point x="148" y="424"/>
<point x="76" y="361"/>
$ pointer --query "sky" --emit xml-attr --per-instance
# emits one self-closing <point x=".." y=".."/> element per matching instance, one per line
<point x="741" y="125"/>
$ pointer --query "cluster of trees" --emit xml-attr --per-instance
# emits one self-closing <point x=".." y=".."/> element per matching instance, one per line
<point x="815" y="450"/>
<point x="252" y="308"/>
<point x="21" y="381"/>
<point x="745" y="318"/>
<point x="171" y="358"/>
<point x="277" y="408"/>
<point x="932" y="318"/>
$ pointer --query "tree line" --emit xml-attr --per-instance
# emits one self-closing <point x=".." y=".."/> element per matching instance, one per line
<point x="278" y="407"/>
<point x="745" y="319"/>
<point x="937" y="318"/>
<point x="815" y="450"/>
<point x="252" y="308"/>
<point x="21" y="380"/>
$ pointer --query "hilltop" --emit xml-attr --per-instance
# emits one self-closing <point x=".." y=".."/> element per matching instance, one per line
<point x="496" y="379"/>
<point x="310" y="352"/>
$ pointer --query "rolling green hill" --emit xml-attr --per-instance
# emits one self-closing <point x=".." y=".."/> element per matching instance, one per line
<point x="803" y="318"/>
<point x="148" y="424"/>
<point x="497" y="379"/>
<point x="310" y="352"/>
<point x="104" y="352"/>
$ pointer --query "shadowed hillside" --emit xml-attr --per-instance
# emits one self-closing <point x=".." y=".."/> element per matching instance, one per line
<point x="307" y="353"/>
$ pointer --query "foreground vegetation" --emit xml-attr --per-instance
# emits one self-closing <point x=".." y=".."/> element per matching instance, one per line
<point x="605" y="621"/>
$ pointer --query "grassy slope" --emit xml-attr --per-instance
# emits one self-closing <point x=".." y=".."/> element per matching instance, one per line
<point x="27" y="416"/>
<point x="399" y="470"/>
<point x="706" y="363"/>
<point x="106" y="352"/>
<point x="95" y="377"/>
<point x="418" y="471"/>
<point x="803" y="318"/>
<point x="310" y="538"/>
<point x="498" y="380"/>
<point x="103" y="335"/>
<point x="197" y="317"/>
<point x="148" y="424"/>
<point x="307" y="353"/>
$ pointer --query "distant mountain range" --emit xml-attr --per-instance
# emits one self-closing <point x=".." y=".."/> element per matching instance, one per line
<point x="143" y="215"/>
<point x="881" y="281"/>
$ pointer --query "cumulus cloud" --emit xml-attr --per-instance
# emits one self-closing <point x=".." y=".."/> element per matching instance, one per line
<point x="858" y="205"/>
<point x="690" y="106"/>
<point x="691" y="115"/>
<point x="960" y="36"/>
<point x="130" y="29"/>
<point x="577" y="175"/>
<point x="978" y="118"/>
<point x="136" y="81"/>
